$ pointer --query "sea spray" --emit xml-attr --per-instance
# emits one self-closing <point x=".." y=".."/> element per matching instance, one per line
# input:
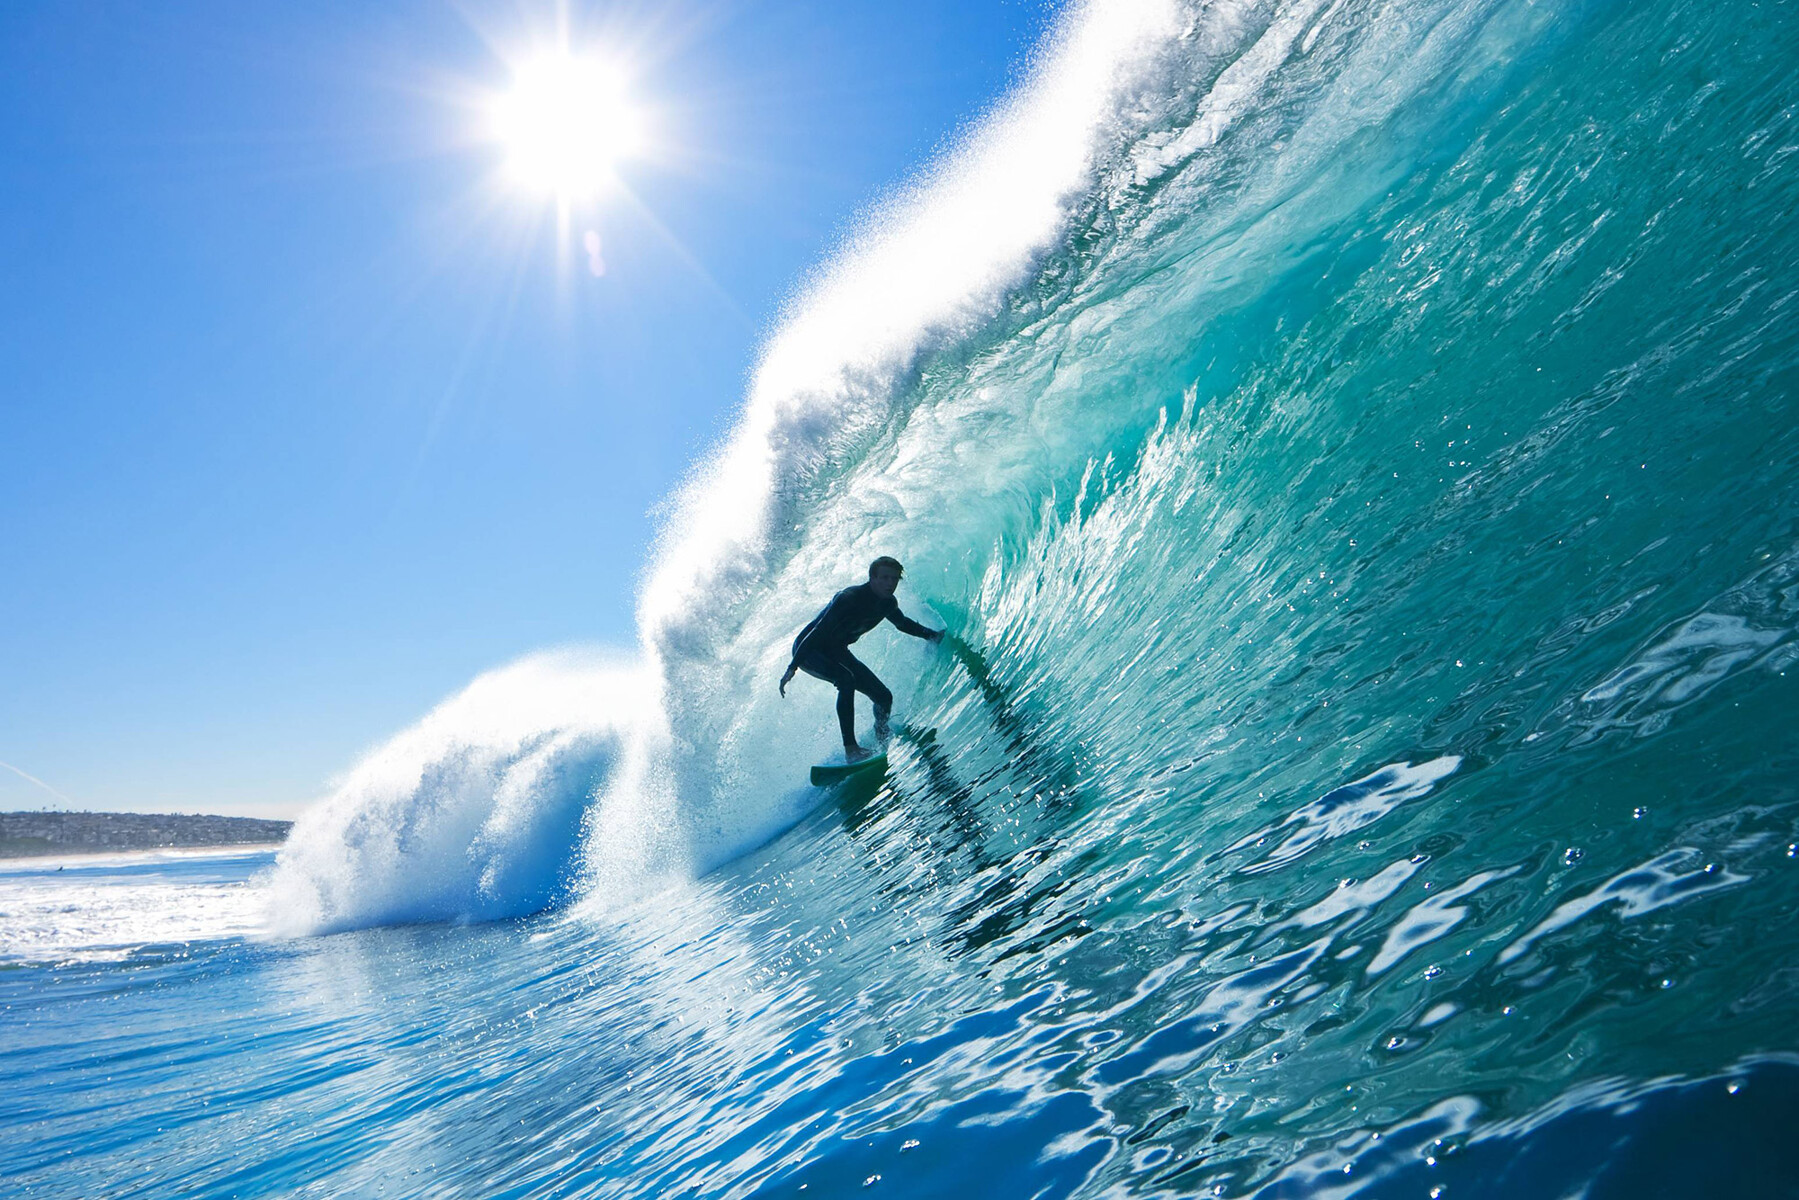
<point x="474" y="813"/>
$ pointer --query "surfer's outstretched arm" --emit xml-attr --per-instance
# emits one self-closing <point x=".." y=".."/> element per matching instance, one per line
<point x="906" y="624"/>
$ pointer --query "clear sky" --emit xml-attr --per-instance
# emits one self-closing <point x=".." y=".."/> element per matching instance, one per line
<point x="310" y="411"/>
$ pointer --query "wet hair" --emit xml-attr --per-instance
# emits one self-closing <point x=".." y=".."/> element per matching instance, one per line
<point x="885" y="561"/>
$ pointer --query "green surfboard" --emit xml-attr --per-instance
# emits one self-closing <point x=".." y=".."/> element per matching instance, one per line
<point x="825" y="774"/>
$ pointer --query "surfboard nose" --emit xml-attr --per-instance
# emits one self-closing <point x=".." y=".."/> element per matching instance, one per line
<point x="825" y="774"/>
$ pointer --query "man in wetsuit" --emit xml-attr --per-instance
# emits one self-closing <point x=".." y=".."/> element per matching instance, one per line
<point x="822" y="649"/>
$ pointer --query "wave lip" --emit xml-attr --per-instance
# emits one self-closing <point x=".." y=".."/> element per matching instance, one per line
<point x="476" y="813"/>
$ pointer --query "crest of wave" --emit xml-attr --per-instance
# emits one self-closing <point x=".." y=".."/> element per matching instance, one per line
<point x="476" y="812"/>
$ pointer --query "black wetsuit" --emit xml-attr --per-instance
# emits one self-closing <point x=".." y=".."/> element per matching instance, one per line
<point x="822" y="650"/>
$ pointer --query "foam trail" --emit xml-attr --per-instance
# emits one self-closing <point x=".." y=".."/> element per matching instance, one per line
<point x="476" y="812"/>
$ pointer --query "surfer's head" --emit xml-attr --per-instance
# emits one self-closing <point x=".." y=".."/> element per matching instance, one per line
<point x="884" y="575"/>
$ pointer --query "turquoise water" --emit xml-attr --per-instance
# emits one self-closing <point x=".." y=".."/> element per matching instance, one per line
<point x="1354" y="446"/>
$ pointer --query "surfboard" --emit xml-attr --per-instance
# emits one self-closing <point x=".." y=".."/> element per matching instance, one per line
<point x="825" y="774"/>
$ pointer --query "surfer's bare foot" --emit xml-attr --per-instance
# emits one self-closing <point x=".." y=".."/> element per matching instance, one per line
<point x="853" y="754"/>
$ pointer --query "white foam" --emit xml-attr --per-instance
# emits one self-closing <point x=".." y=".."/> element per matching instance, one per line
<point x="121" y="906"/>
<point x="474" y="813"/>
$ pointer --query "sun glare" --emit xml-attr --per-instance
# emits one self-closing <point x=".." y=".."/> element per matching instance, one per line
<point x="566" y="124"/>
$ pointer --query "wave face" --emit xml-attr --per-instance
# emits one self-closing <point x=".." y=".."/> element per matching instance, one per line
<point x="1354" y="445"/>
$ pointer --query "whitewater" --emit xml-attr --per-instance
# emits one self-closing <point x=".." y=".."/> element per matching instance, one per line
<point x="1354" y="448"/>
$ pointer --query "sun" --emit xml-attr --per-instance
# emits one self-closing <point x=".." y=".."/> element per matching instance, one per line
<point x="566" y="124"/>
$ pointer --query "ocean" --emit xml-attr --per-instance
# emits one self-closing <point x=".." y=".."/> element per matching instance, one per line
<point x="1353" y="446"/>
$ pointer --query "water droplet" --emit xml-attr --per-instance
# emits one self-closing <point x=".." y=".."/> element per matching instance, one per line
<point x="1572" y="855"/>
<point x="1637" y="814"/>
<point x="871" y="1181"/>
<point x="1733" y="1087"/>
<point x="1431" y="972"/>
<point x="1666" y="984"/>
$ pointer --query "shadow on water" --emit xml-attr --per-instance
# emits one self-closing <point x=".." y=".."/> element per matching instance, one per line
<point x="953" y="822"/>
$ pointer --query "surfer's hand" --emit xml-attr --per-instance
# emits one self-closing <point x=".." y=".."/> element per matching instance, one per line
<point x="785" y="680"/>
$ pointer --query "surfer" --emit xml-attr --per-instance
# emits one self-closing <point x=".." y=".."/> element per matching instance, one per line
<point x="822" y="650"/>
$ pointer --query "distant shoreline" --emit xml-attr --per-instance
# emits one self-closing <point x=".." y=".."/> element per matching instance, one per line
<point x="28" y="835"/>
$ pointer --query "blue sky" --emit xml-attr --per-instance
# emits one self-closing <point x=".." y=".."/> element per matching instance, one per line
<point x="306" y="419"/>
